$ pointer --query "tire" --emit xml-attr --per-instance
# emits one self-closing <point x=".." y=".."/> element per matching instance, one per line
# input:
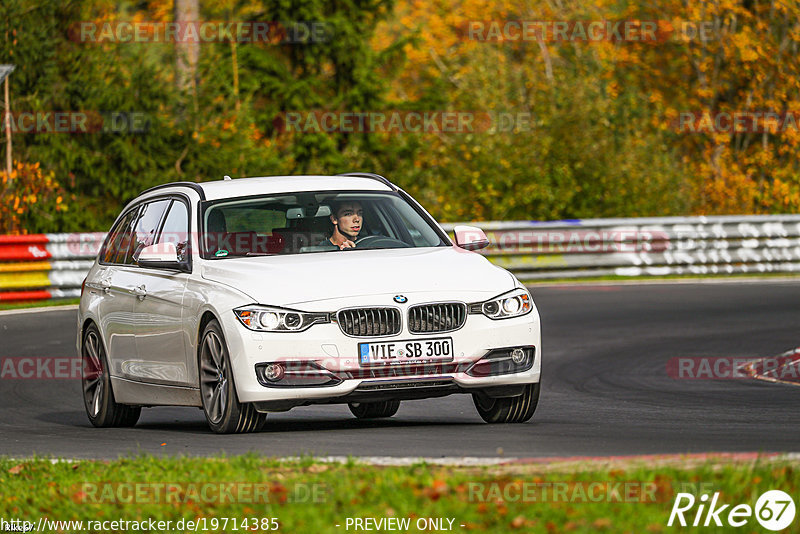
<point x="374" y="410"/>
<point x="221" y="406"/>
<point x="508" y="409"/>
<point x="98" y="397"/>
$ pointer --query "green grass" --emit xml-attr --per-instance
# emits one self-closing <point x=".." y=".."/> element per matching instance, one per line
<point x="309" y="496"/>
<point x="38" y="304"/>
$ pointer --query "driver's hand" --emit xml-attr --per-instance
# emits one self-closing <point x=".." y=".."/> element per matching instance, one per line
<point x="347" y="244"/>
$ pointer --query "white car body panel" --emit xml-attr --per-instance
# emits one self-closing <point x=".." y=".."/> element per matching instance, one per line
<point x="160" y="340"/>
<point x="325" y="276"/>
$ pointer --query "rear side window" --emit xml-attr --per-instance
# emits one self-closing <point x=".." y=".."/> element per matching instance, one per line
<point x="134" y="231"/>
<point x="116" y="237"/>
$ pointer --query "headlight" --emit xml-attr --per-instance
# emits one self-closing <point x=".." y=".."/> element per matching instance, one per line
<point x="269" y="319"/>
<point x="512" y="304"/>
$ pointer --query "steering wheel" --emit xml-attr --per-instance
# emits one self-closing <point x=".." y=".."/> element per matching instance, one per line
<point x="380" y="241"/>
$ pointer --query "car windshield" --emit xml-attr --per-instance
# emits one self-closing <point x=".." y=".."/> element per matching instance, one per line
<point x="301" y="223"/>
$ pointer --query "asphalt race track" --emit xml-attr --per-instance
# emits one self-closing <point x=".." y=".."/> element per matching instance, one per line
<point x="606" y="390"/>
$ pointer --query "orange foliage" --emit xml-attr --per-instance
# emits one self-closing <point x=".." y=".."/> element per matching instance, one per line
<point x="28" y="188"/>
<point x="749" y="61"/>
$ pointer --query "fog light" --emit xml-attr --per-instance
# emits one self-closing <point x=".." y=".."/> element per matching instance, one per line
<point x="274" y="372"/>
<point x="518" y="356"/>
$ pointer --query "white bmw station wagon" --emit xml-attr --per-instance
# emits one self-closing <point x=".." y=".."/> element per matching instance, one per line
<point x="256" y="295"/>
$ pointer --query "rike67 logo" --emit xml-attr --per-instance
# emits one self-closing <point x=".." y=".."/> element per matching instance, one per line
<point x="774" y="510"/>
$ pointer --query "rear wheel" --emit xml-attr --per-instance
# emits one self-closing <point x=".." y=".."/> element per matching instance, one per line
<point x="224" y="413"/>
<point x="98" y="398"/>
<point x="508" y="409"/>
<point x="374" y="410"/>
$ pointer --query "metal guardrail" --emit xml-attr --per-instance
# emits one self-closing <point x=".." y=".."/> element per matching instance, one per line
<point x="645" y="247"/>
<point x="52" y="266"/>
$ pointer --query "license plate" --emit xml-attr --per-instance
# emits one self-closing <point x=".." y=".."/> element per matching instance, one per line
<point x="414" y="350"/>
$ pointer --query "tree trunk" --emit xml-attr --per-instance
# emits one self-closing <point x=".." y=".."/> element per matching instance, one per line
<point x="186" y="51"/>
<point x="7" y="122"/>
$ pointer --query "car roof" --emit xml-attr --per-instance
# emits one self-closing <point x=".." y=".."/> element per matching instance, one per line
<point x="266" y="185"/>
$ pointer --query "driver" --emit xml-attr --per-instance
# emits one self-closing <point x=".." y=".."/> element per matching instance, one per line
<point x="347" y="218"/>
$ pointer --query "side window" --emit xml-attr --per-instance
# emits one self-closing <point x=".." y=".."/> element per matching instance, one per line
<point x="146" y="227"/>
<point x="111" y="246"/>
<point x="176" y="229"/>
<point x="123" y="241"/>
<point x="126" y="238"/>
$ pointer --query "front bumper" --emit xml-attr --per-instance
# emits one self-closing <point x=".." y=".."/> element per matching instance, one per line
<point x="329" y="348"/>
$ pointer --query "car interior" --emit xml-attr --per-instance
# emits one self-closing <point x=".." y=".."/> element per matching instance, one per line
<point x="270" y="228"/>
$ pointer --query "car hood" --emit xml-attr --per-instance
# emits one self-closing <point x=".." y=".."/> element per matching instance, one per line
<point x="292" y="280"/>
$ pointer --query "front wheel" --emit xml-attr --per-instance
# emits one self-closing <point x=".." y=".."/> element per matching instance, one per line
<point x="508" y="409"/>
<point x="374" y="410"/>
<point x="98" y="398"/>
<point x="224" y="413"/>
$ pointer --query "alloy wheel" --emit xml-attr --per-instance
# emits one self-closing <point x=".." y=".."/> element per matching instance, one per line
<point x="92" y="374"/>
<point x="213" y="377"/>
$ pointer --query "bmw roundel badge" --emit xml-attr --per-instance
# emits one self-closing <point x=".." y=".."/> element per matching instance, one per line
<point x="400" y="299"/>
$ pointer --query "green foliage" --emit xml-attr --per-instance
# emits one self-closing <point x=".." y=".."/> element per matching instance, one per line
<point x="198" y="136"/>
<point x="596" y="141"/>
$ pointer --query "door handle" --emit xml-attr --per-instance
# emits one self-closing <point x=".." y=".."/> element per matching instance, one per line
<point x="105" y="285"/>
<point x="140" y="292"/>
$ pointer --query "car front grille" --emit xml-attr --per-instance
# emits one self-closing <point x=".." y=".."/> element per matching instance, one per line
<point x="369" y="322"/>
<point x="441" y="317"/>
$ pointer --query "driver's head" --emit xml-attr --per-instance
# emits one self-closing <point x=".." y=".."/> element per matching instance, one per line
<point x="347" y="218"/>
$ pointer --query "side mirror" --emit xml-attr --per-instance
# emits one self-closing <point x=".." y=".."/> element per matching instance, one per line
<point x="470" y="237"/>
<point x="160" y="256"/>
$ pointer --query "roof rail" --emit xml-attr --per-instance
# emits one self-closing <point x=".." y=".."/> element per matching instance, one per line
<point x="371" y="175"/>
<point x="192" y="185"/>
